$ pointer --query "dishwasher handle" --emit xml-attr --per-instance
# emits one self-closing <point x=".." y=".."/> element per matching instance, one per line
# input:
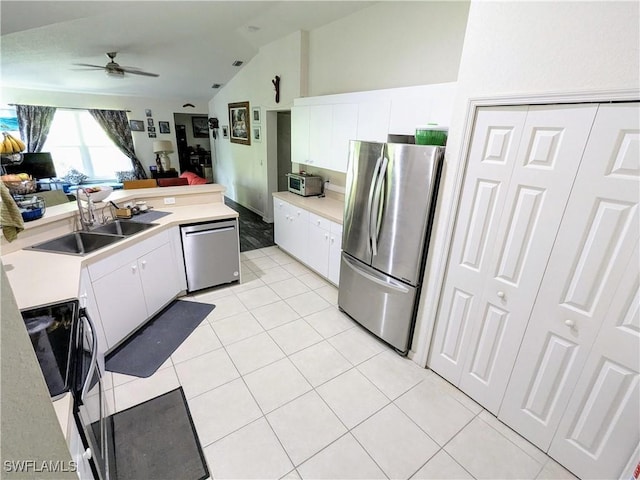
<point x="186" y="229"/>
<point x="207" y="232"/>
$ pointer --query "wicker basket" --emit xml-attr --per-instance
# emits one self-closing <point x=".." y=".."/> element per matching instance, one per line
<point x="21" y="188"/>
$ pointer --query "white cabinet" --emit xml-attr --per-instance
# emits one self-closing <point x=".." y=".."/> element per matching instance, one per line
<point x="373" y="120"/>
<point x="300" y="134"/>
<point x="344" y="127"/>
<point x="311" y="238"/>
<point x="320" y="134"/>
<point x="291" y="228"/>
<point x="335" y="252"/>
<point x="133" y="285"/>
<point x="318" y="258"/>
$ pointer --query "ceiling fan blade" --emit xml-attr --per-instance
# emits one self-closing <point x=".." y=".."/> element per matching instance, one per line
<point x="89" y="65"/>
<point x="139" y="72"/>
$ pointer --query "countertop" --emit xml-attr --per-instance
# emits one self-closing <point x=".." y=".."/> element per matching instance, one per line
<point x="39" y="278"/>
<point x="331" y="207"/>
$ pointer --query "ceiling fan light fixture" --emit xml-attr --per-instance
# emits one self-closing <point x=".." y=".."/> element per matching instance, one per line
<point x="115" y="73"/>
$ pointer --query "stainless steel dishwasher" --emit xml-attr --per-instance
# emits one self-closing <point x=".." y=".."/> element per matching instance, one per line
<point x="211" y="253"/>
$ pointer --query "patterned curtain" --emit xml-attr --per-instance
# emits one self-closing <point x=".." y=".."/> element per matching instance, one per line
<point x="34" y="122"/>
<point x="116" y="125"/>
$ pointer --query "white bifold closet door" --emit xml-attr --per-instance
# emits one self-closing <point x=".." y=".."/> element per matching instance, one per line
<point x="520" y="171"/>
<point x="574" y="387"/>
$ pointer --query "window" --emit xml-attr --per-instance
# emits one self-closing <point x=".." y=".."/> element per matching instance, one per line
<point x="77" y="141"/>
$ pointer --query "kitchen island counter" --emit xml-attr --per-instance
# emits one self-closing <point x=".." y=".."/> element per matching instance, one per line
<point x="38" y="278"/>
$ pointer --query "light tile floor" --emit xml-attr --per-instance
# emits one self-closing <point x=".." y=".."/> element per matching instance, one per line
<point x="281" y="384"/>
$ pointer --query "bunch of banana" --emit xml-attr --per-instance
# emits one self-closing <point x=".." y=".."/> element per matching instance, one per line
<point x="11" y="145"/>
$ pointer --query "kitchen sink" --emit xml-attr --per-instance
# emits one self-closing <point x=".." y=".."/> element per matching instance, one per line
<point x="123" y="228"/>
<point x="76" y="243"/>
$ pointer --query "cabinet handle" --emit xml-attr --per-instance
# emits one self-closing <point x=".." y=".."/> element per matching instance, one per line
<point x="134" y="268"/>
<point x="500" y="294"/>
<point x="87" y="454"/>
<point x="318" y="222"/>
<point x="333" y="240"/>
<point x="144" y="263"/>
<point x="570" y="323"/>
<point x="326" y="236"/>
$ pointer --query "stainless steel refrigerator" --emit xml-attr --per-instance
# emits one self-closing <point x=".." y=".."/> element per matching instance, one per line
<point x="389" y="203"/>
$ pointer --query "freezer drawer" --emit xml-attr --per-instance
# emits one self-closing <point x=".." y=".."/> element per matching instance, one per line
<point x="211" y="253"/>
<point x="381" y="304"/>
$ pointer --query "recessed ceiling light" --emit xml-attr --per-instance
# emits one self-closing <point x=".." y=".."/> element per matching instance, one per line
<point x="237" y="63"/>
<point x="216" y="85"/>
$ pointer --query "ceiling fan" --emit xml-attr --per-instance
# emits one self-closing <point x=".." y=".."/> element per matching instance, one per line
<point x="115" y="70"/>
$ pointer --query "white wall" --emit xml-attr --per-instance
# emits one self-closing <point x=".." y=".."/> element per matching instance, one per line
<point x="391" y="44"/>
<point x="243" y="168"/>
<point x="528" y="49"/>
<point x="161" y="109"/>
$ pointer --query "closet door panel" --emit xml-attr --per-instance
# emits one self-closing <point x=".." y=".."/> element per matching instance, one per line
<point x="545" y="167"/>
<point x="601" y="426"/>
<point x="490" y="163"/>
<point x="594" y="246"/>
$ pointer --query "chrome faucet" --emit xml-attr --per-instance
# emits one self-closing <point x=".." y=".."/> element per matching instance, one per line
<point x="90" y="219"/>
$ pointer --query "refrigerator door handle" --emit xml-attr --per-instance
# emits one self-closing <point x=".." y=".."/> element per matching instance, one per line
<point x="374" y="211"/>
<point x="376" y="174"/>
<point x="383" y="281"/>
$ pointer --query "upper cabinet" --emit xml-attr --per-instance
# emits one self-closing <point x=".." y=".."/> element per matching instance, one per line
<point x="322" y="127"/>
<point x="320" y="135"/>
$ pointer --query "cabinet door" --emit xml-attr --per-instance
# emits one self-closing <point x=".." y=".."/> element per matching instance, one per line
<point x="300" y="134"/>
<point x="120" y="301"/>
<point x="344" y="128"/>
<point x="581" y="294"/>
<point x="373" y="121"/>
<point x="501" y="246"/>
<point x="299" y="232"/>
<point x="281" y="224"/>
<point x="320" y="118"/>
<point x="157" y="273"/>
<point x="335" y="251"/>
<point x="318" y="251"/>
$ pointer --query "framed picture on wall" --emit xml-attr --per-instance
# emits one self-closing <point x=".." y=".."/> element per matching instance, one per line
<point x="240" y="123"/>
<point x="257" y="134"/>
<point x="200" y="127"/>
<point x="256" y="115"/>
<point x="136" y="125"/>
<point x="163" y="127"/>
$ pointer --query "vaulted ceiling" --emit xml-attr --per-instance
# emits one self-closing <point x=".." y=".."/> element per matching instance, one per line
<point x="190" y="44"/>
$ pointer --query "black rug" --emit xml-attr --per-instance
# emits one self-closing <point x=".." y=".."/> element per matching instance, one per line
<point x="157" y="440"/>
<point x="148" y="348"/>
<point x="254" y="232"/>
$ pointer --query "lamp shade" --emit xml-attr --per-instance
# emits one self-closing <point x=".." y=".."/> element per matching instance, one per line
<point x="160" y="146"/>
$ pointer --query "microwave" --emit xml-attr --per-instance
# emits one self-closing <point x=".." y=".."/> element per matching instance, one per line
<point x="304" y="184"/>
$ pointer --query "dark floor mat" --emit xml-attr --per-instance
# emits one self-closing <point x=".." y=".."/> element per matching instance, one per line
<point x="149" y="347"/>
<point x="157" y="439"/>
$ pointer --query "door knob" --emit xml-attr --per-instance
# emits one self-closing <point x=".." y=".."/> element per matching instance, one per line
<point x="501" y="294"/>
<point x="144" y="263"/>
<point x="570" y="323"/>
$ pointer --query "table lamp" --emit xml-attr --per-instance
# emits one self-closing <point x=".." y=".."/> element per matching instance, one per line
<point x="161" y="148"/>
